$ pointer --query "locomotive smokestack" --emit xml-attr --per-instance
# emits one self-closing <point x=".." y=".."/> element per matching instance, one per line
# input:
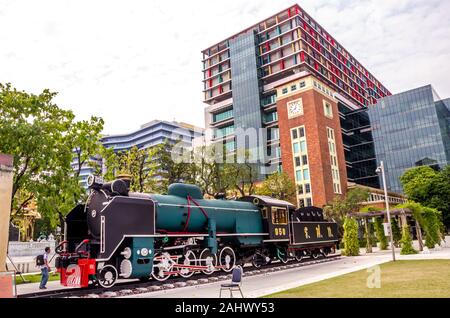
<point x="126" y="178"/>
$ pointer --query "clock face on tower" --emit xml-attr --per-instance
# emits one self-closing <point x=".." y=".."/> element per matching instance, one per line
<point x="295" y="108"/>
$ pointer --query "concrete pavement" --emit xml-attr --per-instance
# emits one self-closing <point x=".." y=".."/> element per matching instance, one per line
<point x="272" y="282"/>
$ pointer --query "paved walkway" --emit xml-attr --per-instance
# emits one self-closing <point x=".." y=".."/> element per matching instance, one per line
<point x="261" y="285"/>
<point x="272" y="282"/>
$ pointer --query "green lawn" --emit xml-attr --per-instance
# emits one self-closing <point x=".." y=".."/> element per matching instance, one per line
<point x="422" y="278"/>
<point x="35" y="278"/>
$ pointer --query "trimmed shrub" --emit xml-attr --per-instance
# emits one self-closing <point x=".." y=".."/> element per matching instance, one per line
<point x="396" y="233"/>
<point x="351" y="242"/>
<point x="433" y="225"/>
<point x="379" y="230"/>
<point x="406" y="242"/>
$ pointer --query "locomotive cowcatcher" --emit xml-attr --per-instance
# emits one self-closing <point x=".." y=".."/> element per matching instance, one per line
<point x="118" y="234"/>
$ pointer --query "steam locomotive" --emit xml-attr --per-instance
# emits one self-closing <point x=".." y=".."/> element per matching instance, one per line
<point x="118" y="234"/>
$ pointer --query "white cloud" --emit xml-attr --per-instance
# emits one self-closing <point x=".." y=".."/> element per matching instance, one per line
<point x="131" y="62"/>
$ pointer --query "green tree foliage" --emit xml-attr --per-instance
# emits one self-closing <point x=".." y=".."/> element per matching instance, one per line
<point x="429" y="187"/>
<point x="208" y="169"/>
<point x="174" y="164"/>
<point x="433" y="227"/>
<point x="42" y="138"/>
<point x="406" y="242"/>
<point x="84" y="138"/>
<point x="280" y="186"/>
<point x="429" y="220"/>
<point x="350" y="240"/>
<point x="241" y="173"/>
<point x="379" y="230"/>
<point x="338" y="209"/>
<point x="139" y="164"/>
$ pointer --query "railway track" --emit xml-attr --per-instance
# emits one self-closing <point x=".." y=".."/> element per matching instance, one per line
<point x="138" y="287"/>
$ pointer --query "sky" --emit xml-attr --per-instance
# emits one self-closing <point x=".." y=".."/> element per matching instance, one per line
<point x="131" y="62"/>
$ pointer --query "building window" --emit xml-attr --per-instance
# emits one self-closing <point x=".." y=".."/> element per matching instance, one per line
<point x="298" y="175"/>
<point x="301" y="203"/>
<point x="333" y="161"/>
<point x="223" y="115"/>
<point x="304" y="160"/>
<point x="297" y="161"/>
<point x="293" y="88"/>
<point x="303" y="146"/>
<point x="308" y="202"/>
<point x="302" y="84"/>
<point x="327" y="109"/>
<point x="279" y="216"/>
<point x="305" y="174"/>
<point x="296" y="147"/>
<point x="301" y="131"/>
<point x="300" y="189"/>
<point x="284" y="91"/>
<point x="307" y="188"/>
<point x="294" y="134"/>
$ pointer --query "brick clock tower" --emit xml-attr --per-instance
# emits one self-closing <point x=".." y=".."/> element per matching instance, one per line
<point x="311" y="140"/>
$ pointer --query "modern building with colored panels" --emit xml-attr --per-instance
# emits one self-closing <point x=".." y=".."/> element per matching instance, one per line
<point x="411" y="129"/>
<point x="255" y="78"/>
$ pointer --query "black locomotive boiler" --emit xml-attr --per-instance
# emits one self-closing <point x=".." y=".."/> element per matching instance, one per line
<point x="118" y="234"/>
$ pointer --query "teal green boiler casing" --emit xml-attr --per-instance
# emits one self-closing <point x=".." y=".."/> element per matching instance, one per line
<point x="230" y="216"/>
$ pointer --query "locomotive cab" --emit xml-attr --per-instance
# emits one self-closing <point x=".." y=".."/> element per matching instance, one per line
<point x="275" y="214"/>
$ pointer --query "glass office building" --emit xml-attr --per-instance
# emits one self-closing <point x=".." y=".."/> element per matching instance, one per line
<point x="241" y="75"/>
<point x="410" y="129"/>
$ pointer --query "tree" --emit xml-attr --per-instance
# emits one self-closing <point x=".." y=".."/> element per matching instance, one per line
<point x="32" y="129"/>
<point x="429" y="187"/>
<point x="242" y="173"/>
<point x="139" y="164"/>
<point x="174" y="164"/>
<point x="340" y="207"/>
<point x="279" y="185"/>
<point x="43" y="139"/>
<point x="84" y="137"/>
<point x="432" y="227"/>
<point x="351" y="242"/>
<point x="430" y="220"/>
<point x="208" y="170"/>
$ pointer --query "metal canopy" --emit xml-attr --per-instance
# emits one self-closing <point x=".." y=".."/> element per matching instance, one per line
<point x="396" y="212"/>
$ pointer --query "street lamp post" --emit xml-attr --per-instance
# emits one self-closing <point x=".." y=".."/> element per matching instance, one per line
<point x="381" y="169"/>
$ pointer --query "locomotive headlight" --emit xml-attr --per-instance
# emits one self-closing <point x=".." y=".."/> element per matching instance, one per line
<point x="94" y="181"/>
<point x="90" y="180"/>
<point x="144" y="251"/>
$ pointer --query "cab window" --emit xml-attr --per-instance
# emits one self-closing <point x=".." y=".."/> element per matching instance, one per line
<point x="279" y="216"/>
<point x="264" y="213"/>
